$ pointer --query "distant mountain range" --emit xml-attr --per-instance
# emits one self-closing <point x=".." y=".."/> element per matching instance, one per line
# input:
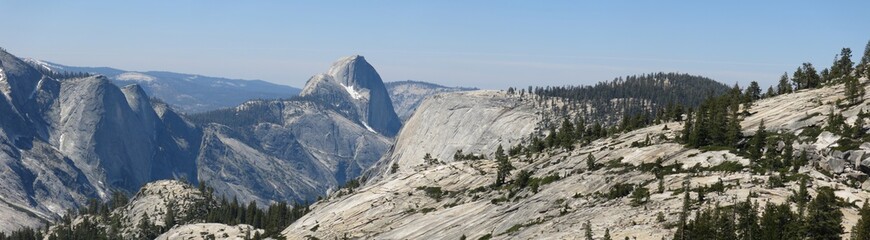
<point x="66" y="140"/>
<point x="189" y="93"/>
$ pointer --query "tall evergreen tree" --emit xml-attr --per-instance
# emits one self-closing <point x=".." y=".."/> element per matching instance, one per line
<point x="854" y="89"/>
<point x="863" y="68"/>
<point x="753" y="92"/>
<point x="758" y="142"/>
<point x="784" y="86"/>
<point x="861" y="230"/>
<point x="588" y="230"/>
<point x="779" y="222"/>
<point x="824" y="216"/>
<point x="504" y="167"/>
<point x="843" y="64"/>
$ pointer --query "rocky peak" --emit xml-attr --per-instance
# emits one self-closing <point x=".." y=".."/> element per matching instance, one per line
<point x="18" y="80"/>
<point x="353" y="80"/>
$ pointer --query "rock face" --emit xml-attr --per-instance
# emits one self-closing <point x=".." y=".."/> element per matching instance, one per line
<point x="300" y="148"/>
<point x="474" y="122"/>
<point x="154" y="200"/>
<point x="408" y="95"/>
<point x="454" y="199"/>
<point x="353" y="80"/>
<point x="187" y="92"/>
<point x="205" y="231"/>
<point x="66" y="141"/>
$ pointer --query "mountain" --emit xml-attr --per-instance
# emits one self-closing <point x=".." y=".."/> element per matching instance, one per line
<point x="189" y="93"/>
<point x="351" y="80"/>
<point x="302" y="147"/>
<point x="69" y="140"/>
<point x="633" y="183"/>
<point x="65" y="141"/>
<point x="407" y="95"/>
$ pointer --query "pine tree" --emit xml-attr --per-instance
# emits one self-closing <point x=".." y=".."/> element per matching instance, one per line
<point x="590" y="163"/>
<point x="842" y="66"/>
<point x="854" y="89"/>
<point x="799" y="79"/>
<point x="758" y="142"/>
<point x="824" y="216"/>
<point x="682" y="226"/>
<point x="607" y="234"/>
<point x="802" y="196"/>
<point x="504" y="166"/>
<point x="861" y="230"/>
<point x="864" y="66"/>
<point x="784" y="86"/>
<point x="588" y="230"/>
<point x="753" y="92"/>
<point x="779" y="222"/>
<point x="169" y="219"/>
<point x="747" y="220"/>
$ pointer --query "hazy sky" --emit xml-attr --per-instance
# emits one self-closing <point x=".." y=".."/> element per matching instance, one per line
<point x="487" y="44"/>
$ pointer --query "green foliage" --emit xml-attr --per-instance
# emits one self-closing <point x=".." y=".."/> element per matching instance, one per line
<point x="861" y="230"/>
<point x="637" y="92"/>
<point x="588" y="230"/>
<point x="619" y="190"/>
<point x="504" y="167"/>
<point x="854" y="90"/>
<point x="432" y="192"/>
<point x="824" y="216"/>
<point x="784" y="86"/>
<point x="639" y="196"/>
<point x="394" y="167"/>
<point x="459" y="156"/>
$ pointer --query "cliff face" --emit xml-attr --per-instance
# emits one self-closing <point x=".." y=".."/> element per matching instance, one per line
<point x="303" y="147"/>
<point x="455" y="198"/>
<point x="67" y="141"/>
<point x="472" y="122"/>
<point x="353" y="80"/>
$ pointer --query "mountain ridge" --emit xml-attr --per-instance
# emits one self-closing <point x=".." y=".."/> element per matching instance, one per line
<point x="187" y="92"/>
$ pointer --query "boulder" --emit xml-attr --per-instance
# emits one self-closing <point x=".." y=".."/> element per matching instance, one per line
<point x="833" y="164"/>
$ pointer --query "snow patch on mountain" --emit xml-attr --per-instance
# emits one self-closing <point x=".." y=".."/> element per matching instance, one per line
<point x="47" y="66"/>
<point x="353" y="93"/>
<point x="7" y="92"/>
<point x="368" y="127"/>
<point x="135" y="76"/>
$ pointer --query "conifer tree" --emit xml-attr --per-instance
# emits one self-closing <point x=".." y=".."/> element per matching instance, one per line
<point x="863" y="68"/>
<point x="590" y="163"/>
<point x="824" y="216"/>
<point x="784" y="86"/>
<point x="753" y="92"/>
<point x="854" y="89"/>
<point x="588" y="230"/>
<point x="758" y="142"/>
<point x="842" y="66"/>
<point x="861" y="230"/>
<point x="504" y="166"/>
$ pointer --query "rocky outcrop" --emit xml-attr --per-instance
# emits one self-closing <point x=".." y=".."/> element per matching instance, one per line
<point x="206" y="231"/>
<point x="451" y="199"/>
<point x="353" y="80"/>
<point x="154" y="201"/>
<point x="474" y="122"/>
<point x="66" y="141"/>
<point x="408" y="95"/>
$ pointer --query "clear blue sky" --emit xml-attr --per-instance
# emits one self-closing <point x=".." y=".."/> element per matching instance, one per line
<point x="488" y="44"/>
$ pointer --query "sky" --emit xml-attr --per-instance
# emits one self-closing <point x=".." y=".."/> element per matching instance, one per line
<point x="486" y="44"/>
